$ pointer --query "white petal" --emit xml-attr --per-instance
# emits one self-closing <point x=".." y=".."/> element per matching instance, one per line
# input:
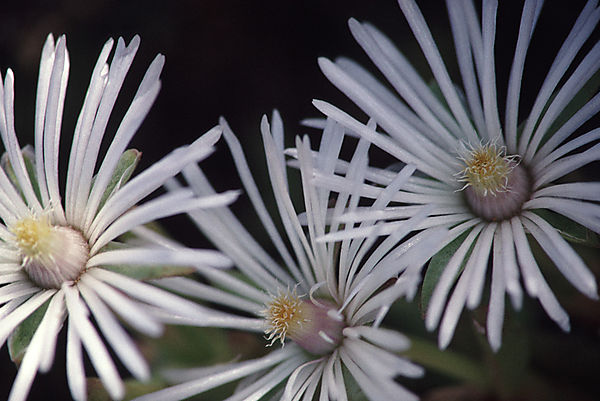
<point x="115" y="335"/>
<point x="208" y="382"/>
<point x="93" y="344"/>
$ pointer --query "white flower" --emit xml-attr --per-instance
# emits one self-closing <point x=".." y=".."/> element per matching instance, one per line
<point x="493" y="183"/>
<point x="55" y="257"/>
<point x="324" y="301"/>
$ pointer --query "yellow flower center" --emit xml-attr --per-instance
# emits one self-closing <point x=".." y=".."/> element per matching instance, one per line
<point x="50" y="254"/>
<point x="487" y="169"/>
<point x="33" y="236"/>
<point x="284" y="315"/>
<point x="307" y="322"/>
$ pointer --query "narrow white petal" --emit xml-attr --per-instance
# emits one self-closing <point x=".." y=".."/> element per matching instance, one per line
<point x="531" y="11"/>
<point x="34" y="353"/>
<point x="495" y="314"/>
<point x="297" y="379"/>
<point x="581" y="30"/>
<point x="158" y="208"/>
<point x="584" y="71"/>
<point x="75" y="371"/>
<point x="208" y="382"/>
<point x="209" y="293"/>
<point x="541" y="163"/>
<point x="584" y="213"/>
<point x="480" y="266"/>
<point x="83" y="128"/>
<point x="147" y="182"/>
<point x="45" y="70"/>
<point x="52" y="125"/>
<point x="11" y="144"/>
<point x="582" y="115"/>
<point x="289" y="216"/>
<point x="562" y="254"/>
<point x="423" y="35"/>
<point x="127" y="308"/>
<point x="509" y="263"/>
<point x="488" y="86"/>
<point x="148" y="293"/>
<point x="93" y="344"/>
<point x="384" y="338"/>
<point x="56" y="315"/>
<point x="407" y="82"/>
<point x="267" y="381"/>
<point x="155" y="256"/>
<point x="465" y="61"/>
<point x="139" y="108"/>
<point x="566" y="165"/>
<point x="447" y="279"/>
<point x="115" y="334"/>
<point x="257" y="202"/>
<point x="22" y="312"/>
<point x="380" y="140"/>
<point x="575" y="190"/>
<point x="88" y="152"/>
<point x="209" y="318"/>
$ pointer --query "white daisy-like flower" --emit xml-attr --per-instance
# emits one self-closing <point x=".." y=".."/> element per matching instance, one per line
<point x="322" y="302"/>
<point x="494" y="183"/>
<point x="57" y="258"/>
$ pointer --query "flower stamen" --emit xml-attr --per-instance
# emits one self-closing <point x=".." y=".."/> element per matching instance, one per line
<point x="487" y="168"/>
<point x="496" y="184"/>
<point x="306" y="322"/>
<point x="50" y="254"/>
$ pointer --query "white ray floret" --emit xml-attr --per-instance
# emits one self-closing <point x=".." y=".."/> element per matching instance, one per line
<point x="497" y="172"/>
<point x="318" y="298"/>
<point x="60" y="254"/>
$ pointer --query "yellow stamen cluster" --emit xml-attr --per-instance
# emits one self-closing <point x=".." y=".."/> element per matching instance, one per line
<point x="284" y="315"/>
<point x="50" y="254"/>
<point x="33" y="236"/>
<point x="487" y="169"/>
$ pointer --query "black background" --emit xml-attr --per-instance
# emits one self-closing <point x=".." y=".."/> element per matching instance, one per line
<point x="239" y="59"/>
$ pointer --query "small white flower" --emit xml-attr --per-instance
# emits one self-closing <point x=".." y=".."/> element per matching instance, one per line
<point x="322" y="302"/>
<point x="491" y="182"/>
<point x="55" y="256"/>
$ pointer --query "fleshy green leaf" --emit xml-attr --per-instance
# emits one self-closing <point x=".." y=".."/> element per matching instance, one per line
<point x="133" y="388"/>
<point x="145" y="272"/>
<point x="127" y="163"/>
<point x="352" y="388"/>
<point x="447" y="362"/>
<point x="569" y="229"/>
<point x="437" y="265"/>
<point x="150" y="272"/>
<point x="21" y="337"/>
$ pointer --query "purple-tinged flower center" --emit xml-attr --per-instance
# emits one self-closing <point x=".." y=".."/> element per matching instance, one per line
<point x="495" y="185"/>
<point x="51" y="255"/>
<point x="306" y="322"/>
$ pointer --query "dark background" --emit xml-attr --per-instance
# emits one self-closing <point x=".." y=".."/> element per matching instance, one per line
<point x="239" y="59"/>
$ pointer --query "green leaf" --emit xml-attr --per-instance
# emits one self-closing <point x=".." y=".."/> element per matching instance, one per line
<point x="569" y="229"/>
<point x="145" y="272"/>
<point x="448" y="362"/>
<point x="511" y="364"/>
<point x="21" y="337"/>
<point x="352" y="388"/>
<point x="150" y="272"/>
<point x="127" y="163"/>
<point x="437" y="265"/>
<point x="133" y="388"/>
